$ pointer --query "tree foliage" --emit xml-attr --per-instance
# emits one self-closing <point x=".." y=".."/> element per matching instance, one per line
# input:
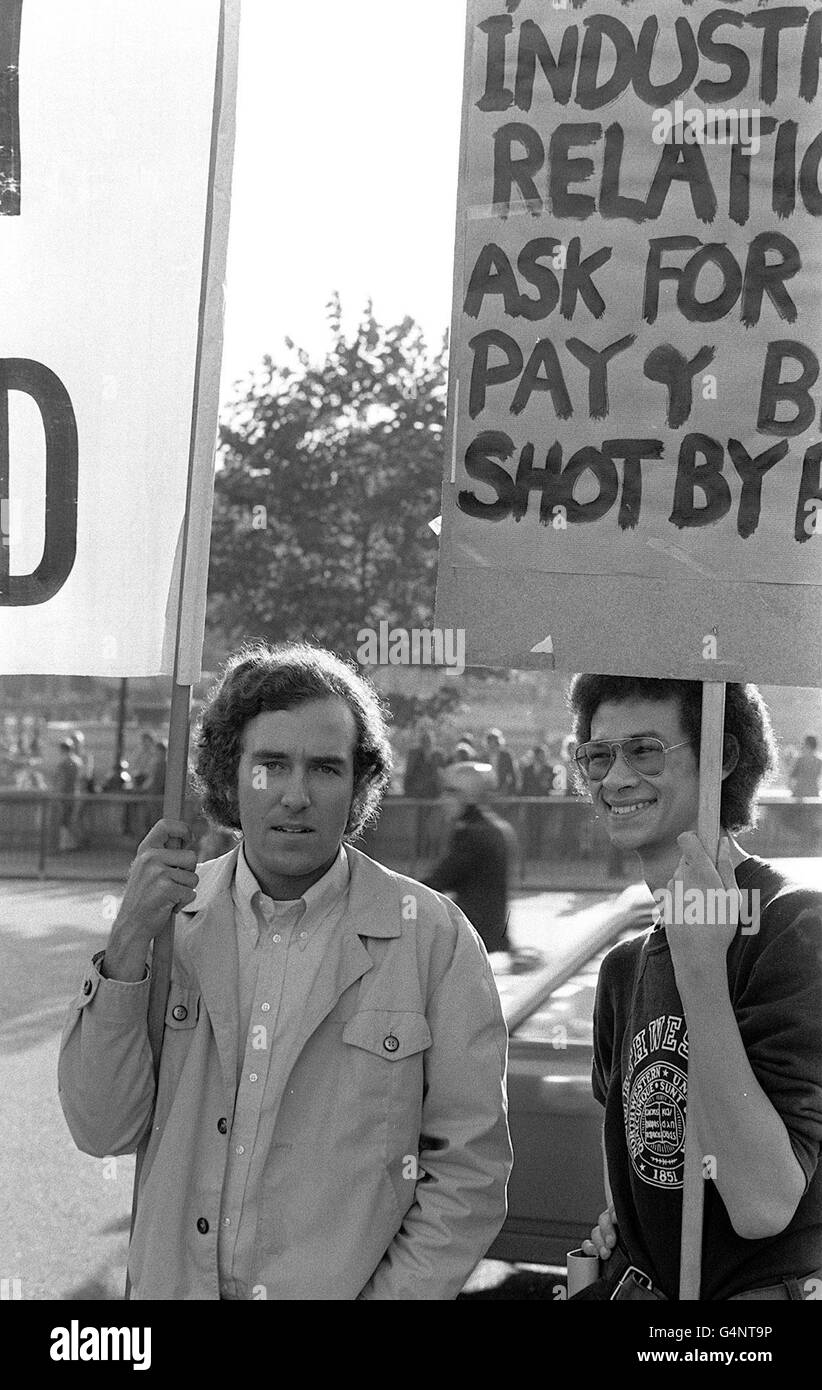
<point x="330" y="475"/>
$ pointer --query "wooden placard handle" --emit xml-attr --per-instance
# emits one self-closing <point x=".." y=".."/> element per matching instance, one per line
<point x="708" y="828"/>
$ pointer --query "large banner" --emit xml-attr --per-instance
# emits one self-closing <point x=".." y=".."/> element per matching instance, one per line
<point x="106" y="113"/>
<point x="634" y="471"/>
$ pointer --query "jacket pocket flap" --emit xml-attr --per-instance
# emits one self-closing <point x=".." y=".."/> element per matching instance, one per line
<point x="391" y="1034"/>
<point x="183" y="1007"/>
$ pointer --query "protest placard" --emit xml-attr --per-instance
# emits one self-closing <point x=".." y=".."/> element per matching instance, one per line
<point x="109" y="194"/>
<point x="634" y="469"/>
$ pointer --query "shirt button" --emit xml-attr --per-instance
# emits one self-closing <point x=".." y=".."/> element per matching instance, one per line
<point x="226" y="1220"/>
<point x="303" y="935"/>
<point x="390" y="1043"/>
<point x="222" y="1125"/>
<point x="239" y="1149"/>
<point x="265" y="1008"/>
<point x="253" y="1076"/>
<point x="276" y="936"/>
<point x="179" y="1012"/>
<point x="202" y="1226"/>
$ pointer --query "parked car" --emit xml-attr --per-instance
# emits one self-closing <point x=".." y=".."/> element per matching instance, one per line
<point x="556" y="1187"/>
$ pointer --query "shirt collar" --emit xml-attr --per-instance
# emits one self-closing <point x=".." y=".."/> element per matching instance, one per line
<point x="310" y="909"/>
<point x="328" y="890"/>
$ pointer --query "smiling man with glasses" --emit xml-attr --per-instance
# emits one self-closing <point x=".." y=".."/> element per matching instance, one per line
<point x="742" y="996"/>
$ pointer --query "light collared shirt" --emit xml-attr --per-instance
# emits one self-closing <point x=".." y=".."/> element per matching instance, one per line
<point x="279" y="949"/>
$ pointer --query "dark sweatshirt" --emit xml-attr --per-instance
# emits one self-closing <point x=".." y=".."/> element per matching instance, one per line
<point x="640" y="1075"/>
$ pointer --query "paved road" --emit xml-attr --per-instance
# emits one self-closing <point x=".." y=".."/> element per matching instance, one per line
<point x="63" y="1215"/>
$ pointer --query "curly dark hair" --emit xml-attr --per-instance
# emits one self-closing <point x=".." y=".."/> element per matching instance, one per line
<point x="260" y="678"/>
<point x="746" y="721"/>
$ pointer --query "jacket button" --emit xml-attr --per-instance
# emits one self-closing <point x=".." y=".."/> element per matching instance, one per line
<point x="222" y="1125"/>
<point x="390" y="1043"/>
<point x="179" y="1012"/>
<point x="87" y="986"/>
<point x="202" y="1226"/>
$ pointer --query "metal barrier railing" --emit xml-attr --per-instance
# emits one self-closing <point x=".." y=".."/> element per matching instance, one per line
<point x="30" y="819"/>
<point x="410" y="830"/>
<point x="564" y="826"/>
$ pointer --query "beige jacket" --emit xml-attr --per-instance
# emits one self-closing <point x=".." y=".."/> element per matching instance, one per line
<point x="341" y="1214"/>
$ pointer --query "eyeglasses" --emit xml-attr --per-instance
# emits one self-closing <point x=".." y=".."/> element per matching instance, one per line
<point x="644" y="755"/>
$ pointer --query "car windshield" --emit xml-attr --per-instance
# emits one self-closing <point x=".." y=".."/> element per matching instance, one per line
<point x="565" y="1018"/>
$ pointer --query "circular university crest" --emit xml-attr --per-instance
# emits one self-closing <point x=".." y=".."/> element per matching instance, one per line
<point x="656" y="1124"/>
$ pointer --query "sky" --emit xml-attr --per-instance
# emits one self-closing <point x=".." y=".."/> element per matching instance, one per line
<point x="345" y="173"/>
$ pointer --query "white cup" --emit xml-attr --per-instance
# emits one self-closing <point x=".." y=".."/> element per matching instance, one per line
<point x="582" y="1271"/>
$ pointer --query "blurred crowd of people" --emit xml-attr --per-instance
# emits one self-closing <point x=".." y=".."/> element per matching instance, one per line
<point x="22" y="743"/>
<point x="543" y="771"/>
<point x="459" y="837"/>
<point x="806" y="769"/>
<point x="534" y="775"/>
<point x="468" y="847"/>
<point x="804" y="779"/>
<point x="27" y="764"/>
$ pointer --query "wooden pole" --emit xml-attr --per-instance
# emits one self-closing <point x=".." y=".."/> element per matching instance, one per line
<point x="174" y="797"/>
<point x="120" y="739"/>
<point x="194" y="546"/>
<point x="708" y="826"/>
<point x="162" y="953"/>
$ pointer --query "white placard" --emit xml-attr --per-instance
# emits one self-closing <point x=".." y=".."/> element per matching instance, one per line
<point x="100" y="299"/>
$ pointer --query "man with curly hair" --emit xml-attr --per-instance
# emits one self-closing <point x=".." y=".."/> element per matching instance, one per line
<point x="728" y="984"/>
<point x="330" y="1118"/>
